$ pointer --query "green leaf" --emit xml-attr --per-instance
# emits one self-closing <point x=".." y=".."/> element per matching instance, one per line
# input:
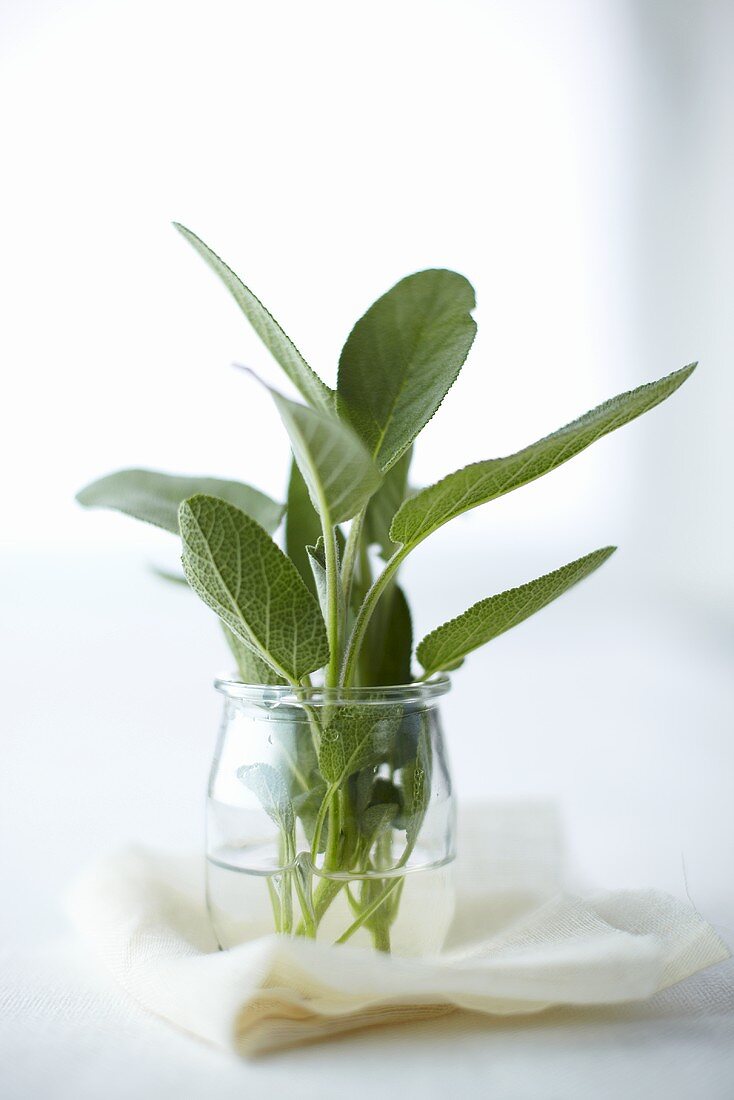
<point x="402" y="357"/>
<point x="355" y="737"/>
<point x="385" y="657"/>
<point x="491" y="617"/>
<point x="376" y="804"/>
<point x="377" y="819"/>
<point x="267" y="328"/>
<point x="155" y="498"/>
<point x="338" y="471"/>
<point x="252" y="669"/>
<point x="429" y="509"/>
<point x="270" y="787"/>
<point x="385" y="503"/>
<point x="416" y="780"/>
<point x="236" y="568"/>
<point x="302" y="525"/>
<point x="368" y="790"/>
<point x="317" y="558"/>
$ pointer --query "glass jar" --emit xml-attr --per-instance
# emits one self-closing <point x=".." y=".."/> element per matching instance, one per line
<point x="331" y="815"/>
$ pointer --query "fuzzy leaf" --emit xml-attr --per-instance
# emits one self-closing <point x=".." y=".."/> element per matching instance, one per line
<point x="268" y="784"/>
<point x="338" y="471"/>
<point x="236" y="568"/>
<point x="357" y="736"/>
<point x="376" y="820"/>
<point x="402" y="357"/>
<point x="388" y="644"/>
<point x="377" y="803"/>
<point x="317" y="558"/>
<point x="416" y="776"/>
<point x="267" y="328"/>
<point x="484" y="481"/>
<point x="155" y="498"/>
<point x="302" y="525"/>
<point x="368" y="790"/>
<point x="485" y="620"/>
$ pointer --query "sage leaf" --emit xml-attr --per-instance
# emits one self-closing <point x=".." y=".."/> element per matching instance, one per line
<point x="377" y="803"/>
<point x="407" y="739"/>
<point x="367" y="789"/>
<point x="385" y="657"/>
<point x="402" y="357"/>
<point x="385" y="503"/>
<point x="430" y="508"/>
<point x="155" y="497"/>
<point x="377" y="819"/>
<point x="317" y="558"/>
<point x="416" y="779"/>
<point x="267" y="783"/>
<point x="489" y="618"/>
<point x="339" y="473"/>
<point x="302" y="525"/>
<point x="355" y="737"/>
<point x="237" y="569"/>
<point x="281" y="347"/>
<point x="252" y="668"/>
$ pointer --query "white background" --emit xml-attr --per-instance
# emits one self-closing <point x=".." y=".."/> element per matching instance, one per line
<point x="576" y="162"/>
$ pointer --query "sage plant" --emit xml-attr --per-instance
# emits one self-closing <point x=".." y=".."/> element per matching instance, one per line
<point x="327" y="609"/>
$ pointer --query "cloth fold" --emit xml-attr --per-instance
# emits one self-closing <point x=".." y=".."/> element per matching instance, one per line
<point x="518" y="944"/>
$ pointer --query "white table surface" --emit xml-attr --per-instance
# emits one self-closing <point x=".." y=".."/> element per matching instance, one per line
<point x="627" y="721"/>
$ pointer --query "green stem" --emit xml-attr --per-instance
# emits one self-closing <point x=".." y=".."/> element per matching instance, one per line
<point x="370" y="910"/>
<point x="351" y="551"/>
<point x="337" y="856"/>
<point x="327" y="890"/>
<point x="365" y="614"/>
<point x="381" y="931"/>
<point x="320" y="818"/>
<point x="365" y="573"/>
<point x="286" y="905"/>
<point x="332" y="590"/>
<point x="307" y="925"/>
<point x="275" y="903"/>
<point x="381" y="897"/>
<point x="314" y="726"/>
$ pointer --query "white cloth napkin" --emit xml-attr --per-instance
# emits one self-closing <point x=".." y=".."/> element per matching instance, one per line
<point x="517" y="945"/>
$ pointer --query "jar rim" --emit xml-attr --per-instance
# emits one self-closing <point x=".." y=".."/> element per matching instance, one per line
<point x="419" y="691"/>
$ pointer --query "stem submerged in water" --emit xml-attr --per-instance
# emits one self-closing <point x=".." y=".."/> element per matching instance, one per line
<point x="349" y="847"/>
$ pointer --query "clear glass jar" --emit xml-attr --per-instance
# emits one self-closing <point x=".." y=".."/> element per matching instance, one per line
<point x="331" y="815"/>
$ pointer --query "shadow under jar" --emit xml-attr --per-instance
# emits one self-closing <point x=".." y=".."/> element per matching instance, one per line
<point x="331" y="815"/>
